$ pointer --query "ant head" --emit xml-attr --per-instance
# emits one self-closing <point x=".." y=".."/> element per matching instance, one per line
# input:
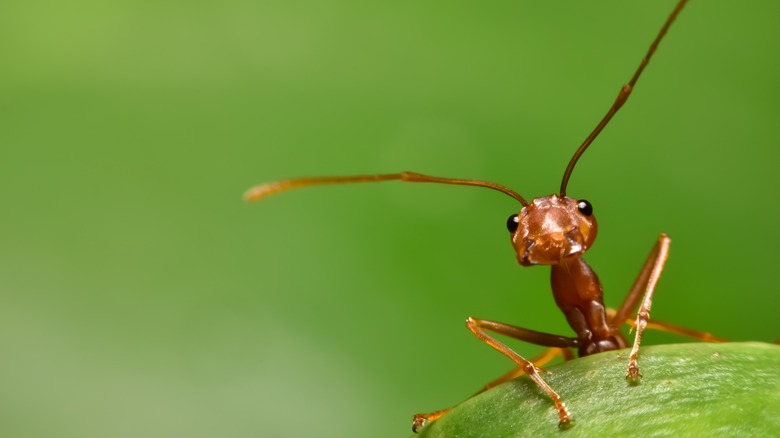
<point x="551" y="229"/>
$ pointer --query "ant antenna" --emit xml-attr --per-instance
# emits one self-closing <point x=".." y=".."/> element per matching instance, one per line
<point x="261" y="191"/>
<point x="621" y="98"/>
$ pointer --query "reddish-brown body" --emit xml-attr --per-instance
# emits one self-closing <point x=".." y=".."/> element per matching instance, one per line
<point x="552" y="230"/>
<point x="578" y="294"/>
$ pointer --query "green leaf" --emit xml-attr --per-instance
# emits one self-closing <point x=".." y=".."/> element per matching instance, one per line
<point x="696" y="389"/>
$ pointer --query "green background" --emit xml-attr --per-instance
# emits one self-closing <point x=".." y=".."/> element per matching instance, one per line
<point x="139" y="296"/>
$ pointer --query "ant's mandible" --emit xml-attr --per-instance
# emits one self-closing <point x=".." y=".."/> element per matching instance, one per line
<point x="553" y="230"/>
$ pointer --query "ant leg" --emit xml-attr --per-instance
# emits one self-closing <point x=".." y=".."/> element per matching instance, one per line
<point x="420" y="420"/>
<point x="635" y="294"/>
<point x="478" y="327"/>
<point x="539" y="361"/>
<point x="645" y="282"/>
<point x="679" y="330"/>
<point x="559" y="344"/>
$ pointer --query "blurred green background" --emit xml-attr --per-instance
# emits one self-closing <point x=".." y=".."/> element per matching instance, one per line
<point x="139" y="296"/>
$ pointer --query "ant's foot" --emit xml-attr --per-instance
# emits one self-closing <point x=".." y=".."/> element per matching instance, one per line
<point x="633" y="374"/>
<point x="565" y="419"/>
<point x="568" y="423"/>
<point x="419" y="421"/>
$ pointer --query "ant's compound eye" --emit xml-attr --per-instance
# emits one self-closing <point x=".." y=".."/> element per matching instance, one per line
<point x="512" y="223"/>
<point x="584" y="207"/>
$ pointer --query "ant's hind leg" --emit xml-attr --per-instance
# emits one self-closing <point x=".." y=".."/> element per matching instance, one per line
<point x="668" y="327"/>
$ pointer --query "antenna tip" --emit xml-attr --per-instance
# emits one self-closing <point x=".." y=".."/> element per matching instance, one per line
<point x="259" y="192"/>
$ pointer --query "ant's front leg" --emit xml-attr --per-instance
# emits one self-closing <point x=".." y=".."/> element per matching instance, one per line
<point x="478" y="327"/>
<point x="644" y="286"/>
<point x="420" y="420"/>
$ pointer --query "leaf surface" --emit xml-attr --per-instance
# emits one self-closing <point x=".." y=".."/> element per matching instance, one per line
<point x="700" y="389"/>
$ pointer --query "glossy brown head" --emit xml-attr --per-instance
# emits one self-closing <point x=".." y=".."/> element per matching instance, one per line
<point x="551" y="229"/>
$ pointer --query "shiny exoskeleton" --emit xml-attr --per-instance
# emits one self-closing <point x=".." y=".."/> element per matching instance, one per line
<point x="556" y="231"/>
<point x="553" y="230"/>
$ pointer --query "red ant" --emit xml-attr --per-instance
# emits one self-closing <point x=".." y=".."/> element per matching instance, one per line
<point x="553" y="230"/>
